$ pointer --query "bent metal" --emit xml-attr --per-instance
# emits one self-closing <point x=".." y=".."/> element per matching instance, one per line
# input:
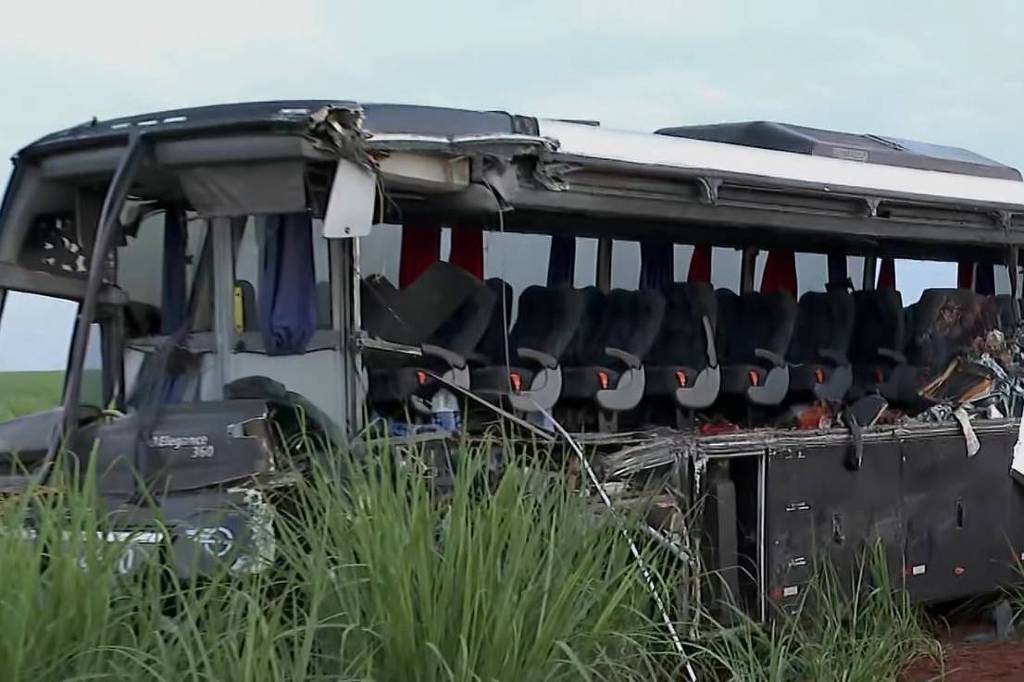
<point x="713" y="313"/>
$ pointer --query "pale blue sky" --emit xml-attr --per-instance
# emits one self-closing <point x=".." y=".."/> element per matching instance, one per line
<point x="947" y="72"/>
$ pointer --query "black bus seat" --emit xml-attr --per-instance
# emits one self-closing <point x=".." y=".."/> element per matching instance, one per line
<point x="492" y="344"/>
<point x="682" y="364"/>
<point x="412" y="315"/>
<point x="945" y="323"/>
<point x="395" y="378"/>
<point x="546" y="321"/>
<point x="818" y="352"/>
<point x="754" y="332"/>
<point x="878" y="344"/>
<point x="604" y="362"/>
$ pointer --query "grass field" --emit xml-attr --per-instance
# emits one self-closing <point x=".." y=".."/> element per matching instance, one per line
<point x="28" y="392"/>
<point x="377" y="578"/>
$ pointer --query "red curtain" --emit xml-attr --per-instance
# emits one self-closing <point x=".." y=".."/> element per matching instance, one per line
<point x="468" y="250"/>
<point x="779" y="272"/>
<point x="965" y="274"/>
<point x="421" y="247"/>
<point x="887" y="274"/>
<point x="700" y="265"/>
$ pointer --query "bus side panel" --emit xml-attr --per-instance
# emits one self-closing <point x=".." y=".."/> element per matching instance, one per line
<point x="964" y="516"/>
<point x="817" y="508"/>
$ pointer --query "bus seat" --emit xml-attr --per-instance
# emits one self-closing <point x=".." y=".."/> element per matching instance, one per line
<point x="753" y="334"/>
<point x="402" y="379"/>
<point x="546" y="321"/>
<point x="878" y="344"/>
<point x="491" y="348"/>
<point x="683" y="361"/>
<point x="818" y="352"/>
<point x="412" y="315"/>
<point x="604" y="363"/>
<point x="945" y="322"/>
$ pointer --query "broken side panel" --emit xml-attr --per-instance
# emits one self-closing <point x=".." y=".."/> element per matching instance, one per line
<point x="964" y="515"/>
<point x="816" y="508"/>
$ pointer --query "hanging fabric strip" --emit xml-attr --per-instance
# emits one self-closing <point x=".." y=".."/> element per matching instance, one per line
<point x="562" y="260"/>
<point x="838" y="274"/>
<point x="287" y="289"/>
<point x="985" y="279"/>
<point x="700" y="265"/>
<point x="656" y="263"/>
<point x="421" y="248"/>
<point x="468" y="250"/>
<point x="965" y="274"/>
<point x="779" y="272"/>
<point x="174" y="298"/>
<point x="887" y="274"/>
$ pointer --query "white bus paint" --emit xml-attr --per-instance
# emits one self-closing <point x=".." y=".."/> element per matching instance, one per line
<point x="591" y="142"/>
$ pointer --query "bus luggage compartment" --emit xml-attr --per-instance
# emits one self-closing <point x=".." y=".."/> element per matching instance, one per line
<point x="952" y="525"/>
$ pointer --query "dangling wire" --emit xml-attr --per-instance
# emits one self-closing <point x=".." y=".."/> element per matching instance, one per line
<point x="645" y="569"/>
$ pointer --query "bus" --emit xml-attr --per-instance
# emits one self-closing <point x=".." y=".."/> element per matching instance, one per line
<point x="710" y="312"/>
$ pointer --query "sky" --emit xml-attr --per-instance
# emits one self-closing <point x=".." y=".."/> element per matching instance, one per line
<point x="946" y="72"/>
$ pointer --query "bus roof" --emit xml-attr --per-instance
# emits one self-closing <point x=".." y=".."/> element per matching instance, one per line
<point x="770" y="166"/>
<point x="759" y="150"/>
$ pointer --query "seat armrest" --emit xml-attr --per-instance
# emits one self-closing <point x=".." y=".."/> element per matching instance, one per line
<point x="625" y="357"/>
<point x="450" y="357"/>
<point x="894" y="355"/>
<point x="835" y="357"/>
<point x="774" y="358"/>
<point x="541" y="358"/>
<point x="709" y="339"/>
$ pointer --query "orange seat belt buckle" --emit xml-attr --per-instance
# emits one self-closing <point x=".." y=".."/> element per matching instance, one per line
<point x="755" y="378"/>
<point x="819" y="375"/>
<point x="602" y="378"/>
<point x="681" y="378"/>
<point x="516" y="380"/>
<point x="421" y="377"/>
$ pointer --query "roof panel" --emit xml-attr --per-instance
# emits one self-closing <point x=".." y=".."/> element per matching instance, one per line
<point x="875" y="149"/>
<point x="769" y="166"/>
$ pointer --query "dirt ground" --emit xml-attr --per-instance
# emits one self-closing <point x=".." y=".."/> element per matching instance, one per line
<point x="981" y="662"/>
<point x="971" y="661"/>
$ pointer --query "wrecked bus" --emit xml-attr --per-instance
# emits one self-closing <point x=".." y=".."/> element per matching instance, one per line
<point x="711" y="311"/>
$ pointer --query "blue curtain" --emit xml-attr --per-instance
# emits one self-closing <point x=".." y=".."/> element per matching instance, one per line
<point x="287" y="289"/>
<point x="174" y="299"/>
<point x="656" y="264"/>
<point x="561" y="260"/>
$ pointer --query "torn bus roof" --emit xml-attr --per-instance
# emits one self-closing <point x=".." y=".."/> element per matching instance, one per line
<point x="289" y="115"/>
<point x="729" y="151"/>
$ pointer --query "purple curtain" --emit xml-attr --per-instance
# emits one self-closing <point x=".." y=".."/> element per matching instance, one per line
<point x="287" y="290"/>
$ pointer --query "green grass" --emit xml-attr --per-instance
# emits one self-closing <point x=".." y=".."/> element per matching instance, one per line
<point x="839" y="633"/>
<point x="27" y="392"/>
<point x="378" y="578"/>
<point x="381" y="578"/>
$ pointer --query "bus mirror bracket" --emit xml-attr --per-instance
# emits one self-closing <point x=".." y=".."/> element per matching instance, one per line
<point x="350" y="205"/>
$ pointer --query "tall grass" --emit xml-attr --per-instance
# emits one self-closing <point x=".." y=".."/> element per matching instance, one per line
<point x="866" y="631"/>
<point x="378" y="577"/>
